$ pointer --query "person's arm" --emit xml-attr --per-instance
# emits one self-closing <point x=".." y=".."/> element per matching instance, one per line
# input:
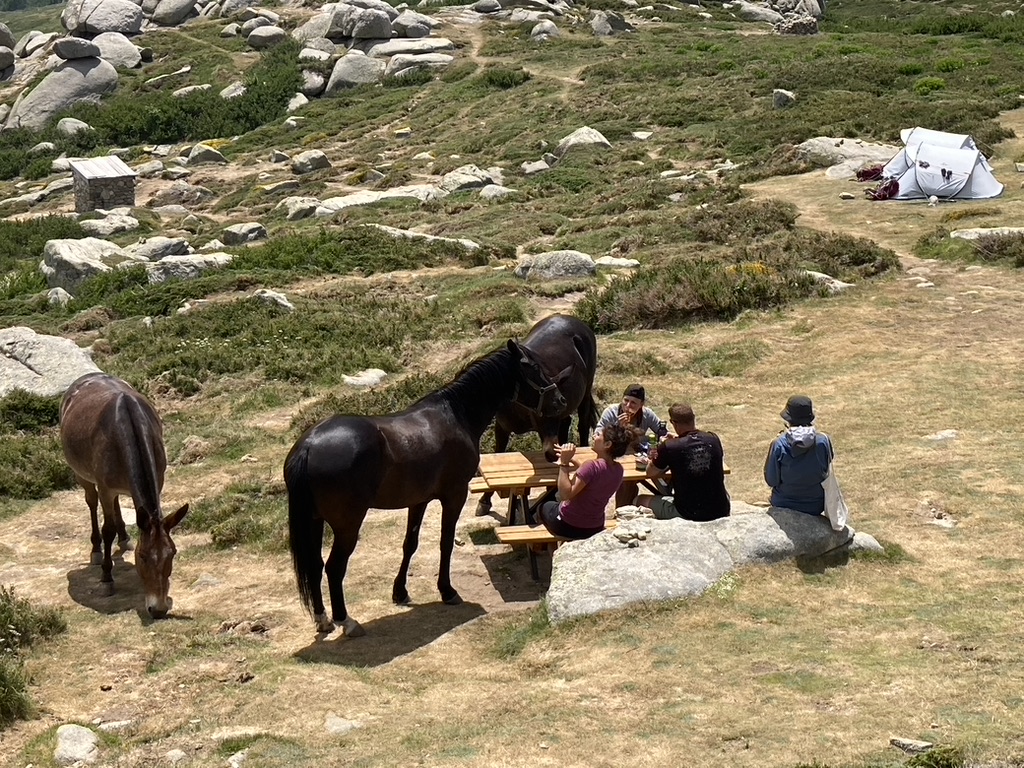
<point x="571" y="487"/>
<point x="771" y="465"/>
<point x="654" y="471"/>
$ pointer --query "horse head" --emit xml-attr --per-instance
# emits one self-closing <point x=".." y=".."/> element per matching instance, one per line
<point x="549" y="399"/>
<point x="154" y="558"/>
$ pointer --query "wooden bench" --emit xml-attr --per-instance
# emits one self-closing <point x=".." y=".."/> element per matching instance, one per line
<point x="530" y="535"/>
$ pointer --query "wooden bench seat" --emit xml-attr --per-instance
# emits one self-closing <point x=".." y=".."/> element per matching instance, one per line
<point x="530" y="535"/>
<point x="533" y="534"/>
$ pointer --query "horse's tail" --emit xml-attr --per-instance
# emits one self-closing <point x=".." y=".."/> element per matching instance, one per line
<point x="145" y="460"/>
<point x="304" y="537"/>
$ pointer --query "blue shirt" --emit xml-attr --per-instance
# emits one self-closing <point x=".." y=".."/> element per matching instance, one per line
<point x="797" y="463"/>
<point x="649" y="422"/>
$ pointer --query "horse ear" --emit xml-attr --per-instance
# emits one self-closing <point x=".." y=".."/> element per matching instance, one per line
<point x="515" y="348"/>
<point x="172" y="520"/>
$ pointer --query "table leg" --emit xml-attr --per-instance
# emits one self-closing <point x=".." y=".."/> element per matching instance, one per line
<point x="534" y="572"/>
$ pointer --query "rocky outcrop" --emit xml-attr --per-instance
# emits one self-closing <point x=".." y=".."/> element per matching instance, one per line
<point x="39" y="364"/>
<point x="556" y="265"/>
<point x="93" y="17"/>
<point x="646" y="560"/>
<point x="70" y="83"/>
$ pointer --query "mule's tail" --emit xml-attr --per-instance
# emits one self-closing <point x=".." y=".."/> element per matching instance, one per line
<point x="305" y="537"/>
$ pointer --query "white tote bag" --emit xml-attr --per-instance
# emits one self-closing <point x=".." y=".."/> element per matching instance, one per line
<point x="835" y="505"/>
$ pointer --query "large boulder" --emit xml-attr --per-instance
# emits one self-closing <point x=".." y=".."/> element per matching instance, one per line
<point x="170" y="13"/>
<point x="7" y="39"/>
<point x="70" y="83"/>
<point x="360" y="24"/>
<point x="354" y="69"/>
<point x="68" y="263"/>
<point x="93" y="17"/>
<point x="41" y="365"/>
<point x="186" y="266"/>
<point x="404" y="63"/>
<point x="755" y="12"/>
<point x="556" y="265"/>
<point x="69" y="48"/>
<point x="646" y="560"/>
<point x="118" y="50"/>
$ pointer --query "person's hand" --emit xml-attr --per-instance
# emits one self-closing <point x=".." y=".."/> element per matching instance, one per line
<point x="565" y="452"/>
<point x="624" y="418"/>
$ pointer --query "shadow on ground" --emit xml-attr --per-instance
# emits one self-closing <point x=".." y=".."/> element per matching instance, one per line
<point x="509" y="573"/>
<point x="84" y="589"/>
<point x="392" y="636"/>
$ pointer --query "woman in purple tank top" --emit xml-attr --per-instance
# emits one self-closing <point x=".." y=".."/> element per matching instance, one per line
<point x="583" y="497"/>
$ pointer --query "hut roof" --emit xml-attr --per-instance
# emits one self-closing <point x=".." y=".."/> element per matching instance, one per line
<point x="108" y="167"/>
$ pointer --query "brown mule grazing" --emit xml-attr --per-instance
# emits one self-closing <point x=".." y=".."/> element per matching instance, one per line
<point x="113" y="441"/>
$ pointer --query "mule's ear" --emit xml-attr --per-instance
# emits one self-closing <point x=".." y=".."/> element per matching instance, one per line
<point x="172" y="520"/>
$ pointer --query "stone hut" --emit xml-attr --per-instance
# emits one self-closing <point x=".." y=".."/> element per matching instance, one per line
<point x="102" y="182"/>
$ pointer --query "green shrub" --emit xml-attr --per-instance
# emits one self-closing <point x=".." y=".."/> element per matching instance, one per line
<point x="159" y="117"/>
<point x="247" y="513"/>
<point x="684" y="291"/>
<point x="365" y="250"/>
<point x="502" y="77"/>
<point x="950" y="65"/>
<point x="745" y="220"/>
<point x="21" y="626"/>
<point x="32" y="463"/>
<point x="926" y="85"/>
<point x="22" y="281"/>
<point x="842" y="256"/>
<point x="22" y="241"/>
<point x="22" y="411"/>
<point x="33" y="466"/>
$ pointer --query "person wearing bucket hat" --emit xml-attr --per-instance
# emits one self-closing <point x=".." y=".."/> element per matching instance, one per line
<point x="632" y="412"/>
<point x="798" y="460"/>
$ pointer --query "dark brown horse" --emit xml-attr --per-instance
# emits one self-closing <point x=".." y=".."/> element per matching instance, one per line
<point x="113" y="440"/>
<point x="344" y="465"/>
<point x="567" y="351"/>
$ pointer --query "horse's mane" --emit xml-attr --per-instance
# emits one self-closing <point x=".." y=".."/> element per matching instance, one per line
<point x="487" y="375"/>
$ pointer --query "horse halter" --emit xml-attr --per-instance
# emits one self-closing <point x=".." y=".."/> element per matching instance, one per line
<point x="542" y="393"/>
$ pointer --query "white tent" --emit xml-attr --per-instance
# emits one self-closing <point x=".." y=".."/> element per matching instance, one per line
<point x="946" y="165"/>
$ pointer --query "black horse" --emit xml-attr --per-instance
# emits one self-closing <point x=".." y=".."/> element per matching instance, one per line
<point x="344" y="465"/>
<point x="567" y="350"/>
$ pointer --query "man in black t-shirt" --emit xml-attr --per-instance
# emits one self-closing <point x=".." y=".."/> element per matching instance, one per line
<point x="695" y="460"/>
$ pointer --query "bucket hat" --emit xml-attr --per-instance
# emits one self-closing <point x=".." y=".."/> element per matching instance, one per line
<point x="799" y="412"/>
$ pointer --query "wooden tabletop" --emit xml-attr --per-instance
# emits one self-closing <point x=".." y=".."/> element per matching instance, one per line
<point x="529" y="469"/>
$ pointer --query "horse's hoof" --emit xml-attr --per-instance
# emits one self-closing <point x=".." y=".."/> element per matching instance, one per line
<point x="482" y="510"/>
<point x="401" y="599"/>
<point x="106" y="588"/>
<point x="125" y="545"/>
<point x="453" y="599"/>
<point x="323" y="624"/>
<point x="352" y="628"/>
<point x="96" y="558"/>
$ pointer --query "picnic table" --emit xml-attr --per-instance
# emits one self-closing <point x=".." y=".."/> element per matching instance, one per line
<point x="516" y="473"/>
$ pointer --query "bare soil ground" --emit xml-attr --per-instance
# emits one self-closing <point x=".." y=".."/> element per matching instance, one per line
<point x="888" y="365"/>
